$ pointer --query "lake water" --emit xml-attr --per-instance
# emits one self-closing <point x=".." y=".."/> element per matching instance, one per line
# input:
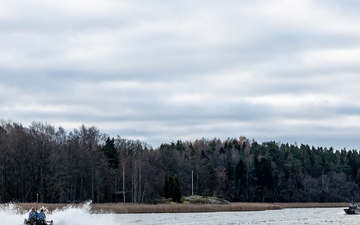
<point x="75" y="216"/>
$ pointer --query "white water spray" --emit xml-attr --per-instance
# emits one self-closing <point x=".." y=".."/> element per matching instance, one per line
<point x="10" y="214"/>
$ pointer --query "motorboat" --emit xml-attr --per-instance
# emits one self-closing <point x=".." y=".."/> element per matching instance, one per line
<point x="37" y="222"/>
<point x="353" y="209"/>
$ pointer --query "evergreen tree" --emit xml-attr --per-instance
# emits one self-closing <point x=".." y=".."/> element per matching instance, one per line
<point x="167" y="190"/>
<point x="172" y="188"/>
<point x="111" y="153"/>
<point x="176" y="190"/>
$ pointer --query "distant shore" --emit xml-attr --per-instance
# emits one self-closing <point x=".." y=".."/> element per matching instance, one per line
<point x="119" y="208"/>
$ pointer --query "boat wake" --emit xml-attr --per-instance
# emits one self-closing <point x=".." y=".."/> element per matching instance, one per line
<point x="11" y="214"/>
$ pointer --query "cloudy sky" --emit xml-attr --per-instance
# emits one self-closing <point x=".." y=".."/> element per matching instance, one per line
<point x="159" y="71"/>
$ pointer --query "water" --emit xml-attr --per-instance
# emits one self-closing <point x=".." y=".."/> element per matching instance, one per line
<point x="10" y="215"/>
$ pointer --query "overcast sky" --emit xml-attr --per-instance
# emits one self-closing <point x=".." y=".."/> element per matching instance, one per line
<point x="160" y="71"/>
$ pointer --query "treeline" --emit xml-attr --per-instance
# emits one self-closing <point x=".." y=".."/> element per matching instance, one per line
<point x="47" y="164"/>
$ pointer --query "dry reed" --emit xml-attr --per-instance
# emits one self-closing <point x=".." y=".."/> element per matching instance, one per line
<point x="177" y="208"/>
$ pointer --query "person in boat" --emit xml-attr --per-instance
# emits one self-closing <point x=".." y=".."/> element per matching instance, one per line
<point x="41" y="216"/>
<point x="353" y="205"/>
<point x="32" y="216"/>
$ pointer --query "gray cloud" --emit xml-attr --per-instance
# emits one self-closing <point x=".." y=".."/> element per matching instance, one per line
<point x="160" y="71"/>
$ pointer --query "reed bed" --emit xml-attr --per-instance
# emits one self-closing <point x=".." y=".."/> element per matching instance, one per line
<point x="119" y="208"/>
<point x="313" y="204"/>
<point x="181" y="208"/>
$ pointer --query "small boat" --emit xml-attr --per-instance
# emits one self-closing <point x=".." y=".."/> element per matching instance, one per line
<point x="353" y="209"/>
<point x="38" y="222"/>
<point x="37" y="218"/>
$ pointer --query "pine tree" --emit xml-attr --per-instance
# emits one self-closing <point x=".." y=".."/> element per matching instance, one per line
<point x="176" y="191"/>
<point x="167" y="192"/>
<point x="111" y="153"/>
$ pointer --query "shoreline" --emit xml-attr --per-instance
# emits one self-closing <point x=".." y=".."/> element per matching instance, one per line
<point x="128" y="208"/>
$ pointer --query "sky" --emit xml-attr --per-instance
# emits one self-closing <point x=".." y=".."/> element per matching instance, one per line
<point x="161" y="71"/>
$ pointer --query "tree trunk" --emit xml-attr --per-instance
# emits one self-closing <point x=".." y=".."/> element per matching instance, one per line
<point x="123" y="167"/>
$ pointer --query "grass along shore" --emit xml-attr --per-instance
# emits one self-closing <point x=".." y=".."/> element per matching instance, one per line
<point x="176" y="208"/>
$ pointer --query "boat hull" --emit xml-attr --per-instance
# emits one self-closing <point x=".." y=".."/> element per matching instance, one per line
<point x="352" y="211"/>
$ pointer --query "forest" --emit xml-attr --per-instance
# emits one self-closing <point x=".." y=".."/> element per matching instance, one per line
<point x="47" y="164"/>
